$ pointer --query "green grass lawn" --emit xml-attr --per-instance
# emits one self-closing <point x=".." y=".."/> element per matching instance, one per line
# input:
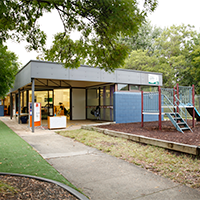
<point x="16" y="156"/>
<point x="179" y="167"/>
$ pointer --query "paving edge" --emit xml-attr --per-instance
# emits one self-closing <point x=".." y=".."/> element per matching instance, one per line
<point x="190" y="149"/>
<point x="66" y="187"/>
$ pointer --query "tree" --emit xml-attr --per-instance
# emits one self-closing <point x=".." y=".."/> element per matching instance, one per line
<point x="99" y="23"/>
<point x="141" y="60"/>
<point x="8" y="70"/>
<point x="173" y="49"/>
<point x="171" y="55"/>
<point x="144" y="39"/>
<point x="195" y="62"/>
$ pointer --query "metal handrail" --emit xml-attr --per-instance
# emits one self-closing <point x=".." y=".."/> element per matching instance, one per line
<point x="183" y="105"/>
<point x="171" y="104"/>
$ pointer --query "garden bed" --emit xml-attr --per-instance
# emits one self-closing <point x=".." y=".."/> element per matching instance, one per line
<point x="28" y="188"/>
<point x="151" y="130"/>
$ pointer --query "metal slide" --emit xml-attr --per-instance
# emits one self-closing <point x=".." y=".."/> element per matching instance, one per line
<point x="190" y="110"/>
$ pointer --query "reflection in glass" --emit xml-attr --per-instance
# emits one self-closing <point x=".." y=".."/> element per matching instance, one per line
<point x="122" y="87"/>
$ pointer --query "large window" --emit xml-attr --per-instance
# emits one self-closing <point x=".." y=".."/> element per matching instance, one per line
<point x="7" y="105"/>
<point x="53" y="102"/>
<point x="92" y="102"/>
<point x="46" y="100"/>
<point x="105" y="103"/>
<point x="149" y="88"/>
<point x="134" y="88"/>
<point x="40" y="97"/>
<point x="123" y="87"/>
<point x="62" y="102"/>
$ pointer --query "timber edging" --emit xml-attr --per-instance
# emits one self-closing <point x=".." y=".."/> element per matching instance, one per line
<point x="190" y="149"/>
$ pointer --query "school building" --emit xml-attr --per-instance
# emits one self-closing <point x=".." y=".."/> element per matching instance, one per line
<point x="77" y="93"/>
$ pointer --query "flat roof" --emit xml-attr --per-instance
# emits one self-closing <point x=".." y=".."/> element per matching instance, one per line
<point x="52" y="75"/>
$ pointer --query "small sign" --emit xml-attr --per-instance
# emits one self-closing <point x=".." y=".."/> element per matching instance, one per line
<point x="30" y="109"/>
<point x="37" y="112"/>
<point x="153" y="79"/>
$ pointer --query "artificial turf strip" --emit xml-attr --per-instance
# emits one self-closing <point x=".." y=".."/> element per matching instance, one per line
<point x="17" y="156"/>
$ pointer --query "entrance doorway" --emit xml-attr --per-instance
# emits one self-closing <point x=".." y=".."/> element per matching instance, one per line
<point x="62" y="102"/>
<point x="78" y="104"/>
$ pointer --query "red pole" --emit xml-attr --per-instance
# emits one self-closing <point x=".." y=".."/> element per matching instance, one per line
<point x="160" y="107"/>
<point x="193" y="117"/>
<point x="142" y="107"/>
<point x="177" y="90"/>
<point x="174" y="93"/>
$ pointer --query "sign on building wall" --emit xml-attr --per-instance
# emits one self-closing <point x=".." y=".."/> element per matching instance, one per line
<point x="153" y="79"/>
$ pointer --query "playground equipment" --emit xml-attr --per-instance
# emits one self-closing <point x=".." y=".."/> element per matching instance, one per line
<point x="190" y="111"/>
<point x="175" y="103"/>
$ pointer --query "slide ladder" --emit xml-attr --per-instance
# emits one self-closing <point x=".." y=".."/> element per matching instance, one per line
<point x="178" y="121"/>
<point x="174" y="116"/>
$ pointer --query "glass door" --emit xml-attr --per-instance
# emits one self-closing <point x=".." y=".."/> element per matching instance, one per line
<point x="46" y="100"/>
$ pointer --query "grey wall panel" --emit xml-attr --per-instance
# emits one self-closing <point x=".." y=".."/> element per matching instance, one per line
<point x="48" y="70"/>
<point x="144" y="79"/>
<point x="129" y="77"/>
<point x="22" y="78"/>
<point x="134" y="77"/>
<point x="85" y="74"/>
<point x="160" y="80"/>
<point x="108" y="76"/>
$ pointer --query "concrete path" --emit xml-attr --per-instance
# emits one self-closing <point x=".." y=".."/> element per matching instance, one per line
<point x="98" y="175"/>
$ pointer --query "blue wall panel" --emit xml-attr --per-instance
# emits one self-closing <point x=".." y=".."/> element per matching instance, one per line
<point x="127" y="108"/>
<point x="1" y="110"/>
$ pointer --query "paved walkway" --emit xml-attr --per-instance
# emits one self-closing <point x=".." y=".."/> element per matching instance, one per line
<point x="98" y="175"/>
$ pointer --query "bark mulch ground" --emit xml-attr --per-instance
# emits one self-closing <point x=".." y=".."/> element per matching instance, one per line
<point x="168" y="131"/>
<point x="28" y="188"/>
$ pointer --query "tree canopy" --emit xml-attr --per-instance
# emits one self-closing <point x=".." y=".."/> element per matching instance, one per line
<point x="99" y="23"/>
<point x="144" y="39"/>
<point x="8" y="69"/>
<point x="195" y="65"/>
<point x="175" y="54"/>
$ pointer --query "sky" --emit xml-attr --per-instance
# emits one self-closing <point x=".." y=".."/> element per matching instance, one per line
<point x="176" y="12"/>
<point x="167" y="13"/>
